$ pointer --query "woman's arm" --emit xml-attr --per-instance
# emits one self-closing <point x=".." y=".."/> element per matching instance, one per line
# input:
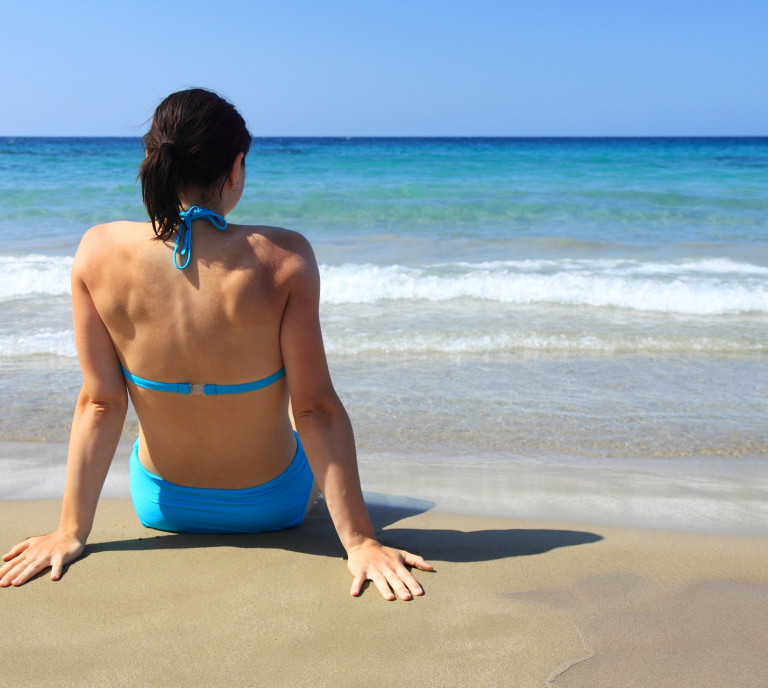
<point x="96" y="427"/>
<point x="327" y="437"/>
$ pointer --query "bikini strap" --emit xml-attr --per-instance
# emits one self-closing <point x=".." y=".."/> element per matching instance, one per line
<point x="184" y="231"/>
<point x="204" y="389"/>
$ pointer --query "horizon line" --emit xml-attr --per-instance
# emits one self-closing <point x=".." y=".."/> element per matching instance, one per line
<point x="416" y="136"/>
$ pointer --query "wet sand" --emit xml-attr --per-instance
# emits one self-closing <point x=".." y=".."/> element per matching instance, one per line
<point x="513" y="603"/>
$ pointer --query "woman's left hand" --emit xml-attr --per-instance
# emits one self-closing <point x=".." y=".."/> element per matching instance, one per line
<point x="387" y="568"/>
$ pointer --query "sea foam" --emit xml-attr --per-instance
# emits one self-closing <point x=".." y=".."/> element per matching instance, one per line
<point x="34" y="274"/>
<point x="707" y="287"/>
<point x="50" y="342"/>
<point x="714" y="286"/>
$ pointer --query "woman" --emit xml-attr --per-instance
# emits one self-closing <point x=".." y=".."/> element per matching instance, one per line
<point x="209" y="327"/>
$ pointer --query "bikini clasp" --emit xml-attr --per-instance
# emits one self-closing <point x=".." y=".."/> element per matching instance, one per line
<point x="196" y="390"/>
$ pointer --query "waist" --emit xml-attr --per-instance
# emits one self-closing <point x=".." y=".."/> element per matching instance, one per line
<point x="294" y="467"/>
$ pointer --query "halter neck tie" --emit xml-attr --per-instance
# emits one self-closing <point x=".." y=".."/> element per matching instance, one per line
<point x="184" y="232"/>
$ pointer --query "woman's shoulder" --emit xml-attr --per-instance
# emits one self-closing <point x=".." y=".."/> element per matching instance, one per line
<point x="286" y="248"/>
<point x="112" y="233"/>
<point x="286" y="239"/>
<point x="105" y="240"/>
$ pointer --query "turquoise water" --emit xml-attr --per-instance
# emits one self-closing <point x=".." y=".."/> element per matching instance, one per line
<point x="685" y="196"/>
<point x="578" y="299"/>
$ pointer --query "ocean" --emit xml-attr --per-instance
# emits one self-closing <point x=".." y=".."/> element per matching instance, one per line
<point x="539" y="327"/>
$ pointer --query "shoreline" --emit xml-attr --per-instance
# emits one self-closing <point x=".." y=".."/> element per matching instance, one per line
<point x="712" y="495"/>
<point x="523" y="603"/>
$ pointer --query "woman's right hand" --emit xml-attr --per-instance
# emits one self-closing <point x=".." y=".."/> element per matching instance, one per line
<point x="28" y="558"/>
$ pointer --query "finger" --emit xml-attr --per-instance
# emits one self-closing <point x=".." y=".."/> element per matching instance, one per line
<point x="417" y="561"/>
<point x="6" y="568"/>
<point x="11" y="572"/>
<point x="15" y="551"/>
<point x="409" y="581"/>
<point x="56" y="569"/>
<point x="27" y="573"/>
<point x="381" y="583"/>
<point x="357" y="585"/>
<point x="396" y="582"/>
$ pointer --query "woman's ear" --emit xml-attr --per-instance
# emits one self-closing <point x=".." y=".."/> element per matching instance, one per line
<point x="237" y="173"/>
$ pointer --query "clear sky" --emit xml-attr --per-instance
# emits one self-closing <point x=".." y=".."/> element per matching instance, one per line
<point x="391" y="67"/>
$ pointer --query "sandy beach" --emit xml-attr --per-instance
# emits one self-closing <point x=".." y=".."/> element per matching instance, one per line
<point x="513" y="603"/>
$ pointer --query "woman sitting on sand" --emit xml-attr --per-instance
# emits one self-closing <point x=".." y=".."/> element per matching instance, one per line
<point x="211" y="327"/>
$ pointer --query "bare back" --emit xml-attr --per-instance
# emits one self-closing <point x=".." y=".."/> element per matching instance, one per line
<point x="218" y="321"/>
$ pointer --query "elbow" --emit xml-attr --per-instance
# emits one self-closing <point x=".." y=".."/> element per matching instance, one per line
<point x="320" y="412"/>
<point x="104" y="405"/>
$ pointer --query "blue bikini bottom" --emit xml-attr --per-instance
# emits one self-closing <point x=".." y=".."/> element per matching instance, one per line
<point x="278" y="504"/>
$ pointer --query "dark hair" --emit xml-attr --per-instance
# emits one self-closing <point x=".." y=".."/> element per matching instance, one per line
<point x="193" y="141"/>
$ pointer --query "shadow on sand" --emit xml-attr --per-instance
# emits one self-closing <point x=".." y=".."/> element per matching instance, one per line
<point x="317" y="536"/>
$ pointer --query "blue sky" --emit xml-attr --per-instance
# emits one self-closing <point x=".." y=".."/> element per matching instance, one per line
<point x="421" y="67"/>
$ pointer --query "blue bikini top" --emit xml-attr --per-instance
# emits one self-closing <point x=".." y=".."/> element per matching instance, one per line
<point x="202" y="390"/>
<point x="184" y="237"/>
